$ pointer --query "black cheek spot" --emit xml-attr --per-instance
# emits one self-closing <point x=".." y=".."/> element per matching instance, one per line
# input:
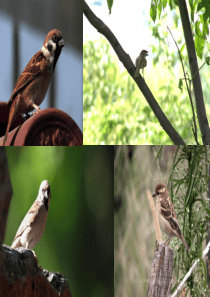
<point x="49" y="47"/>
<point x="46" y="203"/>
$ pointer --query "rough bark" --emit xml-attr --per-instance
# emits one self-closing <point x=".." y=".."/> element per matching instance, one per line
<point x="21" y="276"/>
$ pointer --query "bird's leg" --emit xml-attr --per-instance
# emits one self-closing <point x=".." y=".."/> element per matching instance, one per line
<point x="167" y="241"/>
<point x="37" y="109"/>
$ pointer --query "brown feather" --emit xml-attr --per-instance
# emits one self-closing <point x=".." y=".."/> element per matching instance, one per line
<point x="31" y="71"/>
<point x="167" y="213"/>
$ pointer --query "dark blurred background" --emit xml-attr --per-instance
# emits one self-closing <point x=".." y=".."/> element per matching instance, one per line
<point x="23" y="28"/>
<point x="78" y="238"/>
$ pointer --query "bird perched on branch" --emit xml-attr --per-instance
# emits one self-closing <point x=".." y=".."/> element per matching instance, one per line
<point x="141" y="62"/>
<point x="166" y="214"/>
<point x="32" y="84"/>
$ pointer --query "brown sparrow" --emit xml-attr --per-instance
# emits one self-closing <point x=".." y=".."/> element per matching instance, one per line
<point x="32" y="84"/>
<point x="33" y="224"/>
<point x="166" y="214"/>
<point x="141" y="62"/>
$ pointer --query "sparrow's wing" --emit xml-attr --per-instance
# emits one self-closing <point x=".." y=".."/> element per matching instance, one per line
<point x="167" y="211"/>
<point x="136" y="62"/>
<point x="28" y="219"/>
<point x="31" y="71"/>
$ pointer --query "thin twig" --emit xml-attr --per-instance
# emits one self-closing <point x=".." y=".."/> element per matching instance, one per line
<point x="198" y="70"/>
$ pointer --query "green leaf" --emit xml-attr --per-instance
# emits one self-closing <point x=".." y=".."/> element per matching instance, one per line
<point x="193" y="6"/>
<point x="159" y="8"/>
<point x="200" y="6"/>
<point x="110" y="3"/>
<point x="180" y="86"/>
<point x="207" y="60"/>
<point x="206" y="5"/>
<point x="153" y="12"/>
<point x="171" y="4"/>
<point x="182" y="47"/>
<point x="199" y="40"/>
<point x="164" y="3"/>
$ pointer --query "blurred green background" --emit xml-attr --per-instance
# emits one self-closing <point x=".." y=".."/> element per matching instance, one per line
<point x="78" y="238"/>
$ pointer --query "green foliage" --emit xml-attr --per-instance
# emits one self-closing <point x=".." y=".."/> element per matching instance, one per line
<point x="163" y="50"/>
<point x="189" y="183"/>
<point x="199" y="8"/>
<point x="115" y="110"/>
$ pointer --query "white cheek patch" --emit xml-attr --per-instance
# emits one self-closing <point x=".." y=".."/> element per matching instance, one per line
<point x="162" y="190"/>
<point x="49" y="54"/>
<point x="45" y="51"/>
<point x="51" y="43"/>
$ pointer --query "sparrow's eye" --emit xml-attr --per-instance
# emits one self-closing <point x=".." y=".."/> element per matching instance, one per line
<point x="55" y="39"/>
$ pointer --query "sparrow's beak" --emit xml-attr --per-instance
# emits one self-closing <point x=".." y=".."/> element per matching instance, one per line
<point x="61" y="43"/>
<point x="147" y="54"/>
<point x="153" y="195"/>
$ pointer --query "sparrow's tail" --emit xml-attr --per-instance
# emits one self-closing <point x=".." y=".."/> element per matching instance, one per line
<point x="184" y="242"/>
<point x="136" y="74"/>
<point x="12" y="116"/>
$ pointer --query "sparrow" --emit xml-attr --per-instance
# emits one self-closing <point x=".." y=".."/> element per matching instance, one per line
<point x="166" y="214"/>
<point x="141" y="62"/>
<point x="32" y="84"/>
<point x="32" y="227"/>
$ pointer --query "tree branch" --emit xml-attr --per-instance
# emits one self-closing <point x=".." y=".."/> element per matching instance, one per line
<point x="127" y="62"/>
<point x="198" y="92"/>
